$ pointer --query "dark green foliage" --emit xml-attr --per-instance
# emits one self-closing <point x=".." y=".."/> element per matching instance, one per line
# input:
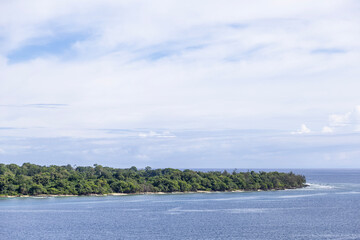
<point x="31" y="179"/>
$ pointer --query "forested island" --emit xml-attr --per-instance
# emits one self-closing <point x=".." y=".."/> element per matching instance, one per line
<point x="30" y="179"/>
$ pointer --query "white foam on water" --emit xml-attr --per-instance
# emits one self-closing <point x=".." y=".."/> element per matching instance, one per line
<point x="86" y="202"/>
<point x="207" y="199"/>
<point x="42" y="211"/>
<point x="349" y="185"/>
<point x="234" y="198"/>
<point x="132" y="209"/>
<point x="248" y="210"/>
<point x="138" y="200"/>
<point x="302" y="195"/>
<point x="315" y="186"/>
<point x="179" y="210"/>
<point x="332" y="236"/>
<point x="352" y="192"/>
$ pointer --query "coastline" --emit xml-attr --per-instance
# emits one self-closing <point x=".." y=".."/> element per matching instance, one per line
<point x="140" y="193"/>
<point x="31" y="180"/>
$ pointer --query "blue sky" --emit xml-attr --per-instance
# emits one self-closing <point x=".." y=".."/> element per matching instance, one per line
<point x="57" y="44"/>
<point x="180" y="83"/>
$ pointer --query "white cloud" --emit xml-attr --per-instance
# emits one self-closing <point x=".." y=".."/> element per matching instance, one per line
<point x="164" y="134"/>
<point x="348" y="122"/>
<point x="327" y="129"/>
<point x="340" y="120"/>
<point x="194" y="149"/>
<point x="174" y="65"/>
<point x="155" y="65"/>
<point x="303" y="130"/>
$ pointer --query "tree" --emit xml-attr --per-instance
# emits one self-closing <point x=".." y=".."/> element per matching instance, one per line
<point x="34" y="180"/>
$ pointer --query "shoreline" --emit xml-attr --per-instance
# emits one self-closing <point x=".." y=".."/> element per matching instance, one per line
<point x="141" y="193"/>
<point x="31" y="180"/>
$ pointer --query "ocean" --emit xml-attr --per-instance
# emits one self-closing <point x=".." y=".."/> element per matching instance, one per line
<point x="328" y="209"/>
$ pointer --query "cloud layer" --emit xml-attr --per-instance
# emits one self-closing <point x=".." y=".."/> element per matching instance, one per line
<point x="76" y="69"/>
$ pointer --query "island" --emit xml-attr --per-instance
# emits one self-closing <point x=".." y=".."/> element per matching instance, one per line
<point x="34" y="180"/>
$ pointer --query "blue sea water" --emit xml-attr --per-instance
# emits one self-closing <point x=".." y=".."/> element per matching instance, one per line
<point x="328" y="209"/>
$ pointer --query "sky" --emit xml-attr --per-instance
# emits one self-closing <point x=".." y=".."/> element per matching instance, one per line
<point x="185" y="84"/>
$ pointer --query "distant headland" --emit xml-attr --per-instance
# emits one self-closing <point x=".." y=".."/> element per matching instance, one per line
<point x="34" y="180"/>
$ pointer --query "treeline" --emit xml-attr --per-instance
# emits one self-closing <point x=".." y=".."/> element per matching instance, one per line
<point x="31" y="179"/>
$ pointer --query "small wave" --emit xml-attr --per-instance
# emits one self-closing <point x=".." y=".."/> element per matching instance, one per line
<point x="137" y="200"/>
<point x="207" y="199"/>
<point x="332" y="236"/>
<point x="248" y="210"/>
<point x="302" y="195"/>
<point x="352" y="192"/>
<point x="235" y="198"/>
<point x="179" y="210"/>
<point x="314" y="186"/>
<point x="42" y="211"/>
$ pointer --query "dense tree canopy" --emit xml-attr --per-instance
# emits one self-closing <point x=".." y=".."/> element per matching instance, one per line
<point x="31" y="179"/>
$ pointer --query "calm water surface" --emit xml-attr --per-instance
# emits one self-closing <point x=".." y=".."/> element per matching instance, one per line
<point x="328" y="209"/>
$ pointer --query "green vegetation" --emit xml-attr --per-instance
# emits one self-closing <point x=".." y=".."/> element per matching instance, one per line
<point x="31" y="179"/>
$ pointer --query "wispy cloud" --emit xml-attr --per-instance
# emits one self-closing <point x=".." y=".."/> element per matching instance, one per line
<point x="328" y="51"/>
<point x="218" y="149"/>
<point x="164" y="134"/>
<point x="8" y="128"/>
<point x="35" y="105"/>
<point x="46" y="105"/>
